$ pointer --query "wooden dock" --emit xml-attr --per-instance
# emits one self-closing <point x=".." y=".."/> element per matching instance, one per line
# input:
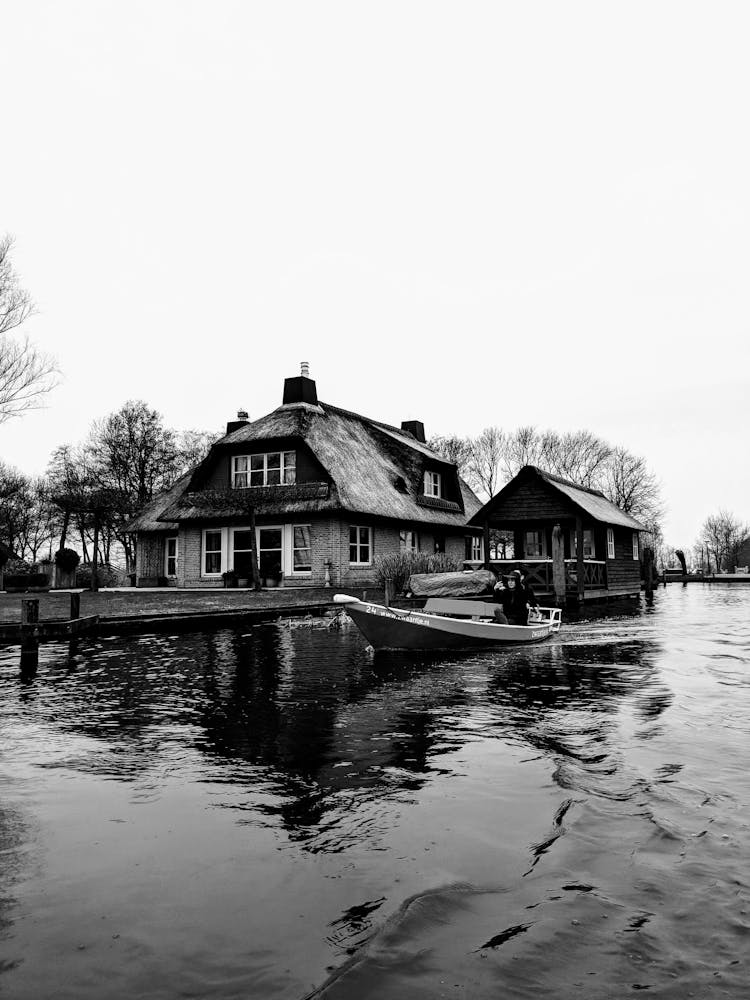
<point x="31" y="630"/>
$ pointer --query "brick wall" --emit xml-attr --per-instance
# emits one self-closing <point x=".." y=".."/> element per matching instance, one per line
<point x="329" y="542"/>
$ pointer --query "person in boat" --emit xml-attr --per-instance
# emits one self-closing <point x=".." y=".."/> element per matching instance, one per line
<point x="503" y="596"/>
<point x="522" y="598"/>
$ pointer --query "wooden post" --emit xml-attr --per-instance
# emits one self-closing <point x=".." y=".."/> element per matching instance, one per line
<point x="558" y="564"/>
<point x="29" y="611"/>
<point x="75" y="606"/>
<point x="29" y="643"/>
<point x="486" y="543"/>
<point x="648" y="571"/>
<point x="29" y="655"/>
<point x="579" y="558"/>
<point x="388" y="592"/>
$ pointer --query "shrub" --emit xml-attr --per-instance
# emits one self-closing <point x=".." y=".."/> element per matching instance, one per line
<point x="108" y="576"/>
<point x="67" y="559"/>
<point x="399" y="566"/>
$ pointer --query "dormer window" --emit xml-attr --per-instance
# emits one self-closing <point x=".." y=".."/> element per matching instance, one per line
<point x="273" y="468"/>
<point x="433" y="484"/>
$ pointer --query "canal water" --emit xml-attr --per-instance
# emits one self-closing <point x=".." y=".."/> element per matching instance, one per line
<point x="282" y="814"/>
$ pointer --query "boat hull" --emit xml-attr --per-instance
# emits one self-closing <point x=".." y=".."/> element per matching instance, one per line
<point x="388" y="628"/>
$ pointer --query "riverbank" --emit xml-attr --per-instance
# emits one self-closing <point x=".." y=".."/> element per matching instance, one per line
<point x="127" y="609"/>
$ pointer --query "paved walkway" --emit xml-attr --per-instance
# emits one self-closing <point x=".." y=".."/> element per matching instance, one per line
<point x="131" y="602"/>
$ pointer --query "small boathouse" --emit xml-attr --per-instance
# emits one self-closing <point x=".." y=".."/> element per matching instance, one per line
<point x="572" y="542"/>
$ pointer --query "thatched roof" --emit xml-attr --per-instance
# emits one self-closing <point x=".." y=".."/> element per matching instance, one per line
<point x="372" y="469"/>
<point x="582" y="500"/>
<point x="148" y="519"/>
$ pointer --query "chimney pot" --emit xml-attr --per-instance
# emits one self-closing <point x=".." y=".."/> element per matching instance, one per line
<point x="305" y="369"/>
<point x="242" y="414"/>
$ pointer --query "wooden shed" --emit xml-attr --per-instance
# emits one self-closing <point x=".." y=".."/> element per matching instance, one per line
<point x="570" y="541"/>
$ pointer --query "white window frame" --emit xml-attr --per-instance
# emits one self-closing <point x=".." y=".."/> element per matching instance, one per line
<point x="222" y="550"/>
<point x="290" y="559"/>
<point x="408" y="540"/>
<point x="541" y="535"/>
<point x="285" y="465"/>
<point x="284" y="543"/>
<point x="433" y="484"/>
<point x="167" y="556"/>
<point x="359" y="544"/>
<point x="477" y="548"/>
<point x="636" y="546"/>
<point x="610" y="543"/>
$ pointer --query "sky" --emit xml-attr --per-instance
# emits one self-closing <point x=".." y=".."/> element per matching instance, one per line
<point x="469" y="214"/>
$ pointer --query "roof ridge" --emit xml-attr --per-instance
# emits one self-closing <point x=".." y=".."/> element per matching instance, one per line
<point x="361" y="416"/>
<point x="567" y="482"/>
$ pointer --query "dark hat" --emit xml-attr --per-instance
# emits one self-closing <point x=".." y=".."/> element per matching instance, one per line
<point x="517" y="572"/>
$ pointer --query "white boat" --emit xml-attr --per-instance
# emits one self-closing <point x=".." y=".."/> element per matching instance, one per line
<point x="445" y="624"/>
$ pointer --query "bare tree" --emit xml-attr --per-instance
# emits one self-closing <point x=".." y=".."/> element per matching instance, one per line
<point x="193" y="446"/>
<point x="453" y="448"/>
<point x="25" y="373"/>
<point x="628" y="482"/>
<point x="483" y="465"/>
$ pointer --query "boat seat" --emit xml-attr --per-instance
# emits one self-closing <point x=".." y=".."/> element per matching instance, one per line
<point x="463" y="609"/>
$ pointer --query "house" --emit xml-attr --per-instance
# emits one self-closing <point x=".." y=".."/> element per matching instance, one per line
<point x="595" y="552"/>
<point x="323" y="490"/>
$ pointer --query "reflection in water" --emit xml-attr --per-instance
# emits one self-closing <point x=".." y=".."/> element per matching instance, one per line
<point x="285" y="778"/>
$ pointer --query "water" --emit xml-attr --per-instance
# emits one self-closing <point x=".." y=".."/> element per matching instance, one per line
<point x="284" y="815"/>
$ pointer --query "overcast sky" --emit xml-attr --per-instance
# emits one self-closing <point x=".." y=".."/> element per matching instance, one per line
<point x="464" y="213"/>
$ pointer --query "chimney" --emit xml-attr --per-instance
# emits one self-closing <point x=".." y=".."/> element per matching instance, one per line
<point x="415" y="428"/>
<point x="242" y="419"/>
<point x="301" y="389"/>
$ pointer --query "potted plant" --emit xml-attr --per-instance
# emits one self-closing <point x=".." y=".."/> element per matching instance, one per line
<point x="273" y="575"/>
<point x="229" y="578"/>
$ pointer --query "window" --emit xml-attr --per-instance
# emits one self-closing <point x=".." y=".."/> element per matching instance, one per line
<point x="636" y="554"/>
<point x="273" y="468"/>
<point x="432" y="484"/>
<point x="360" y="545"/>
<point x="439" y="543"/>
<point x="588" y="544"/>
<point x="301" y="549"/>
<point x="408" y="541"/>
<point x="610" y="543"/>
<point x="474" y="548"/>
<point x="533" y="545"/>
<point x="170" y="567"/>
<point x="211" y="553"/>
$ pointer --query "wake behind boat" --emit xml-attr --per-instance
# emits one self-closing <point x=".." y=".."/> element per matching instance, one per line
<point x="444" y="624"/>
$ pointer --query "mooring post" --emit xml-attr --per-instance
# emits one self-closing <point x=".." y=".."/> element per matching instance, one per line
<point x="29" y="655"/>
<point x="30" y="611"/>
<point x="558" y="565"/>
<point x="388" y="592"/>
<point x="75" y="606"/>
<point x="648" y="571"/>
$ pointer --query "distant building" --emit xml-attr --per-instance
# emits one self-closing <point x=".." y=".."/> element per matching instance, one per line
<point x="327" y="490"/>
<point x="600" y="543"/>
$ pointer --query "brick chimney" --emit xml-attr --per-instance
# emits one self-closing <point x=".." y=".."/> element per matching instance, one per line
<point x="242" y="419"/>
<point x="301" y="389"/>
<point x="415" y="428"/>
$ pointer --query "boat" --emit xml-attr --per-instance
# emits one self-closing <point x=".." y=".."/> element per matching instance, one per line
<point x="445" y="624"/>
